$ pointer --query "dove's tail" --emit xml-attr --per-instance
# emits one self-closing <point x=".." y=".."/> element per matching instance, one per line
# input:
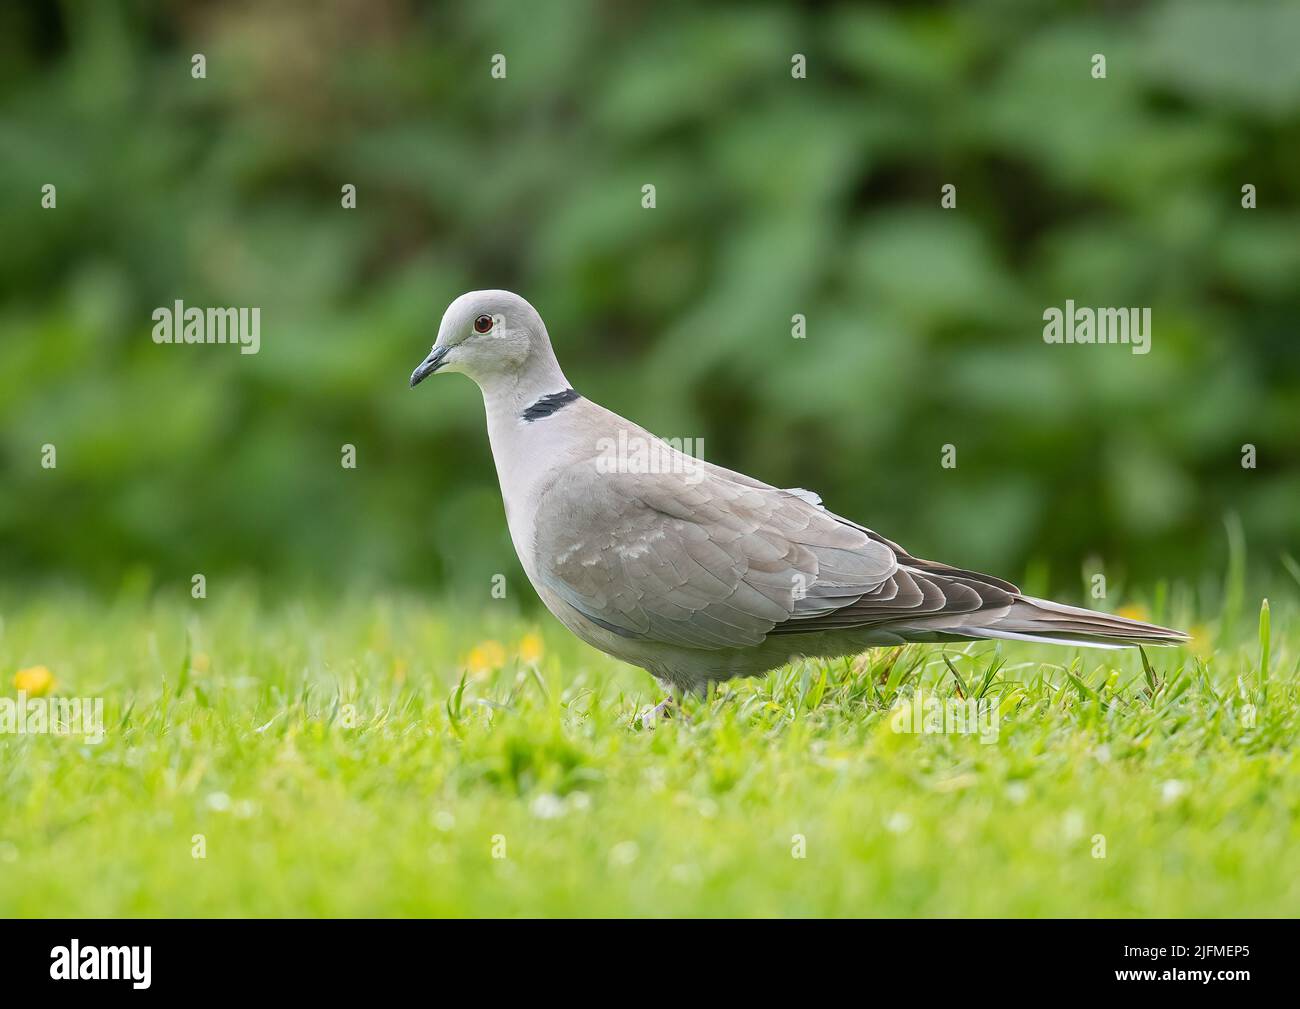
<point x="1030" y="619"/>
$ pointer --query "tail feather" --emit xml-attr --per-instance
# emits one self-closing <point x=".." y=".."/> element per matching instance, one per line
<point x="1043" y="620"/>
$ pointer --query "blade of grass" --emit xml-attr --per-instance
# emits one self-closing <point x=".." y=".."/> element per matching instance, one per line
<point x="1265" y="640"/>
<point x="1292" y="566"/>
<point x="1234" y="589"/>
<point x="961" y="684"/>
<point x="1153" y="681"/>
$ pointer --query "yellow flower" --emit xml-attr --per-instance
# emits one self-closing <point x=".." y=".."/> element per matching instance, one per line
<point x="200" y="662"/>
<point x="530" y="649"/>
<point x="485" y="657"/>
<point x="35" y="681"/>
<point x="1134" y="611"/>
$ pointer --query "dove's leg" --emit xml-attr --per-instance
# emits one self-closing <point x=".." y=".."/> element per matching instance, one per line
<point x="669" y="707"/>
<point x="664" y="709"/>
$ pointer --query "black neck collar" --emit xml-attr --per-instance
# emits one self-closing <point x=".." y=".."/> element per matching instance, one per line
<point x="548" y="404"/>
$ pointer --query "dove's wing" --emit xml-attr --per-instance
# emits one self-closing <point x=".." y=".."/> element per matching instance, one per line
<point x="712" y="563"/>
<point x="703" y="564"/>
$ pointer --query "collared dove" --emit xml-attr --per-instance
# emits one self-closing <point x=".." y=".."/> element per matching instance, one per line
<point x="694" y="572"/>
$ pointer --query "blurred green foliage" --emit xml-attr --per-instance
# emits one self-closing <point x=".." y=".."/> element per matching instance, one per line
<point x="775" y="196"/>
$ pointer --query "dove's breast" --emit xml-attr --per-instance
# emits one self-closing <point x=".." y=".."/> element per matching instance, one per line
<point x="530" y="455"/>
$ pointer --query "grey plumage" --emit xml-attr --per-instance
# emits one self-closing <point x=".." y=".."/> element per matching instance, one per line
<point x="695" y="572"/>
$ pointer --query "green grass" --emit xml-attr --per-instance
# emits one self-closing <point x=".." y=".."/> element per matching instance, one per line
<point x="334" y="767"/>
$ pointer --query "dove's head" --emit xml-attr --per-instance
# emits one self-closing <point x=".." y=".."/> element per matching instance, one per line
<point x="494" y="337"/>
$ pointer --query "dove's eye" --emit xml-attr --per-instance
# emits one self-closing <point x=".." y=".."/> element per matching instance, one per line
<point x="483" y="323"/>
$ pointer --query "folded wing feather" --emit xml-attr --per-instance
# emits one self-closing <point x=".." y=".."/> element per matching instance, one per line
<point x="721" y="563"/>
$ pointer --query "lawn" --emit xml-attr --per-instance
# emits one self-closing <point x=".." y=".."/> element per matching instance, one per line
<point x="385" y="755"/>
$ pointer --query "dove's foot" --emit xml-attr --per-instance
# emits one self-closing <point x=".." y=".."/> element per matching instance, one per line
<point x="667" y="708"/>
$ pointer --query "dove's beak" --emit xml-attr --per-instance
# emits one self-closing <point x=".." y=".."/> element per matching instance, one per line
<point x="428" y="366"/>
